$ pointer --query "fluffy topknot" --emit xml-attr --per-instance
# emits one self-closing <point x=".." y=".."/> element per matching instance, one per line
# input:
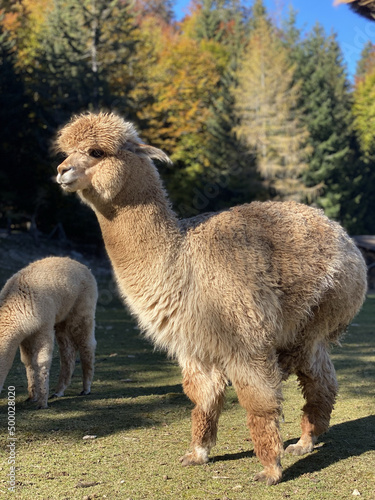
<point x="105" y="131"/>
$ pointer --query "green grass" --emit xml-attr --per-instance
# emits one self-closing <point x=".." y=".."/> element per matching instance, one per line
<point x="141" y="420"/>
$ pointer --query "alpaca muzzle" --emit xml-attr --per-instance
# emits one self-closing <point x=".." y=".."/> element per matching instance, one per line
<point x="65" y="175"/>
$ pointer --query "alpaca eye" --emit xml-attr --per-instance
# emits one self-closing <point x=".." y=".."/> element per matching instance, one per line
<point x="96" y="153"/>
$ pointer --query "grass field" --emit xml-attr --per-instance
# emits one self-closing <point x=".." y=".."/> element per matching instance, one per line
<point x="141" y="422"/>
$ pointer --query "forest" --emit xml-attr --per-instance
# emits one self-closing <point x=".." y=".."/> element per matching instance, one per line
<point x="247" y="107"/>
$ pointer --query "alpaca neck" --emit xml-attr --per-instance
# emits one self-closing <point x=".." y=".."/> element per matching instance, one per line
<point x="143" y="243"/>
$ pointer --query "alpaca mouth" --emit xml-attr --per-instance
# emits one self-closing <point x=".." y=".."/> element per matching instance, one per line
<point x="65" y="183"/>
<point x="67" y="186"/>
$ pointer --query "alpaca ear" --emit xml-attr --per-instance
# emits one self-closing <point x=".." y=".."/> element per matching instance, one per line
<point x="148" y="151"/>
<point x="154" y="153"/>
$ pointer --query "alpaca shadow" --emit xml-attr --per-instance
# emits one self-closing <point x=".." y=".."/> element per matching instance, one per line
<point x="233" y="456"/>
<point x="348" y="439"/>
<point x="344" y="440"/>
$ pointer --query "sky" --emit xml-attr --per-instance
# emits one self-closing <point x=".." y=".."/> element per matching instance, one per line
<point x="352" y="30"/>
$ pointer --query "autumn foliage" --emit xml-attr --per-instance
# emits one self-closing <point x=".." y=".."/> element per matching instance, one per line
<point x="238" y="103"/>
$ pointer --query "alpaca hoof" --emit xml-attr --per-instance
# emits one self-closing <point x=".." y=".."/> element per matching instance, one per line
<point x="30" y="400"/>
<point x="194" y="459"/>
<point x="84" y="393"/>
<point x="42" y="407"/>
<point x="269" y="477"/>
<point x="298" y="450"/>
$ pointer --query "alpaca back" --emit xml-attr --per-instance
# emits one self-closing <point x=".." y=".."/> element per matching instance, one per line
<point x="264" y="268"/>
<point x="46" y="291"/>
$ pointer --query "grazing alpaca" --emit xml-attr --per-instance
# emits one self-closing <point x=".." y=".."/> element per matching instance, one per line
<point x="250" y="294"/>
<point x="53" y="293"/>
<point x="365" y="8"/>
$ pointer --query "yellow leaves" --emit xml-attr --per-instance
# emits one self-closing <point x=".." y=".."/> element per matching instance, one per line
<point x="364" y="112"/>
<point x="266" y="104"/>
<point x="182" y="83"/>
<point x="24" y="23"/>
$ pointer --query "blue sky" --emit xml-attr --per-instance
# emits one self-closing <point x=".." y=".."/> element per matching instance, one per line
<point x="352" y="30"/>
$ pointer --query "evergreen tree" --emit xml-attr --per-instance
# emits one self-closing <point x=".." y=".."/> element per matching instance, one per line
<point x="17" y="178"/>
<point x="326" y="101"/>
<point x="363" y="218"/>
<point x="364" y="112"/>
<point x="185" y="109"/>
<point x="220" y="26"/>
<point x="158" y="9"/>
<point x="366" y="64"/>
<point x="266" y="103"/>
<point x="220" y="21"/>
<point x="258" y="15"/>
<point x="86" y="58"/>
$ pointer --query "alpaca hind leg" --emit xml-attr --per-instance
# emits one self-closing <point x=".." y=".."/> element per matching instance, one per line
<point x="67" y="353"/>
<point x="261" y="397"/>
<point x="319" y="387"/>
<point x="205" y="386"/>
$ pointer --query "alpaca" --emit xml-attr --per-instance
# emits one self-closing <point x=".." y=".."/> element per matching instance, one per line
<point x="251" y="294"/>
<point x="55" y="294"/>
<point x="365" y="8"/>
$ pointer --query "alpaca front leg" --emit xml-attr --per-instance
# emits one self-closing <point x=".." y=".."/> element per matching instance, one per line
<point x="268" y="445"/>
<point x="8" y="349"/>
<point x="27" y="353"/>
<point x="36" y="353"/>
<point x="262" y="401"/>
<point x="205" y="387"/>
<point x="319" y="387"/>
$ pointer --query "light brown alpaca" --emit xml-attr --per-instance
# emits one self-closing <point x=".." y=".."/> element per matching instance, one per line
<point x="250" y="294"/>
<point x="52" y="296"/>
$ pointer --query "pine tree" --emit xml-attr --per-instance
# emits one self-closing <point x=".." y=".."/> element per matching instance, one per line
<point x="363" y="192"/>
<point x="219" y="21"/>
<point x="366" y="63"/>
<point x="326" y="101"/>
<point x="158" y="9"/>
<point x="364" y="112"/>
<point x="221" y="26"/>
<point x="258" y="15"/>
<point x="266" y="103"/>
<point x="86" y="58"/>
<point x="17" y="180"/>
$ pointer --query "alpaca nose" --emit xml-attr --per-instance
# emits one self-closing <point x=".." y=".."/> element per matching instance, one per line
<point x="63" y="169"/>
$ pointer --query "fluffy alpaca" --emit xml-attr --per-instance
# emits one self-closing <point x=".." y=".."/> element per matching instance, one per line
<point x="56" y="294"/>
<point x="250" y="294"/>
<point x="365" y="8"/>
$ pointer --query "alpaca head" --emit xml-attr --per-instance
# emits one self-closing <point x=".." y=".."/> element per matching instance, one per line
<point x="101" y="150"/>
